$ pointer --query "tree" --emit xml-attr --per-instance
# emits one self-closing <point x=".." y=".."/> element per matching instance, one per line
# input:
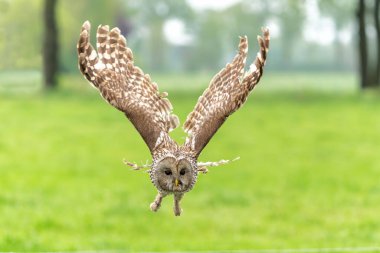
<point x="50" y="44"/>
<point x="368" y="60"/>
<point x="153" y="15"/>
<point x="341" y="12"/>
<point x="291" y="18"/>
<point x="363" y="55"/>
<point x="20" y="48"/>
<point x="70" y="17"/>
<point x="377" y="28"/>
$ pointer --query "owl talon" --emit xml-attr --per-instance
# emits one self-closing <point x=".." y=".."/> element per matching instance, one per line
<point x="155" y="206"/>
<point x="157" y="202"/>
<point x="177" y="211"/>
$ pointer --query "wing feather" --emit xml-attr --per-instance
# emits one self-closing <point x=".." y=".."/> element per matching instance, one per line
<point x="125" y="86"/>
<point x="227" y="92"/>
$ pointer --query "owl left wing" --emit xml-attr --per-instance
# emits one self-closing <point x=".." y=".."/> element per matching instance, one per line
<point x="125" y="86"/>
<point x="227" y="91"/>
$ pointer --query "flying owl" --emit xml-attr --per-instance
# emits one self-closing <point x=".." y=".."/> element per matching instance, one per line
<point x="174" y="167"/>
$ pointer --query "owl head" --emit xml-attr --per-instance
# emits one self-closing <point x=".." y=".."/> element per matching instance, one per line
<point x="174" y="174"/>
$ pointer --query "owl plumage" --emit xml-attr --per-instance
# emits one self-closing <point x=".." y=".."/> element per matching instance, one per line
<point x="175" y="168"/>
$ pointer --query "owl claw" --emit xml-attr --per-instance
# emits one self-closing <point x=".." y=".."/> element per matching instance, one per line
<point x="157" y="202"/>
<point x="177" y="211"/>
<point x="155" y="206"/>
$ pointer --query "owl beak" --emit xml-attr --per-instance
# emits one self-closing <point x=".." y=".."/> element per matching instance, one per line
<point x="176" y="182"/>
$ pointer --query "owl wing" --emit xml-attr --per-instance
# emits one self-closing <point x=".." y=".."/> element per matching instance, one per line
<point x="125" y="86"/>
<point x="227" y="91"/>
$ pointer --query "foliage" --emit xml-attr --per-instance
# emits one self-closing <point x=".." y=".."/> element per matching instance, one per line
<point x="307" y="177"/>
<point x="20" y="35"/>
<point x="97" y="11"/>
<point x="214" y="32"/>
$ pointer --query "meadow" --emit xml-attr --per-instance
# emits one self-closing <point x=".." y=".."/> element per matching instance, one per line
<point x="308" y="174"/>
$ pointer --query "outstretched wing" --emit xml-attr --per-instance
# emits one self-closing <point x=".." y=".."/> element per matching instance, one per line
<point x="125" y="86"/>
<point x="227" y="91"/>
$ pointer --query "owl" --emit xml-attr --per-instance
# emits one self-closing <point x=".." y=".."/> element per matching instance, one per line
<point x="174" y="168"/>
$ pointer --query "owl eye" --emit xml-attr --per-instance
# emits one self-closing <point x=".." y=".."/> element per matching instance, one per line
<point x="183" y="171"/>
<point x="168" y="172"/>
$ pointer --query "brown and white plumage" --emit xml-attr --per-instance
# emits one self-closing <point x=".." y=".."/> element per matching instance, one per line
<point x="227" y="91"/>
<point x="174" y="169"/>
<point x="124" y="85"/>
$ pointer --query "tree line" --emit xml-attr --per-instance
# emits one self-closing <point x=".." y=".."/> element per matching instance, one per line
<point x="216" y="34"/>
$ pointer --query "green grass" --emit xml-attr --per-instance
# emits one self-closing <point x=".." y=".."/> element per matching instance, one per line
<point x="308" y="177"/>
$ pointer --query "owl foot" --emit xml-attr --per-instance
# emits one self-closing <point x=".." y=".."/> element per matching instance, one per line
<point x="155" y="206"/>
<point x="157" y="202"/>
<point x="177" y="209"/>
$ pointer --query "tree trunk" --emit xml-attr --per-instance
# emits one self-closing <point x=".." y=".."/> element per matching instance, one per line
<point x="363" y="62"/>
<point x="50" y="46"/>
<point x="377" y="27"/>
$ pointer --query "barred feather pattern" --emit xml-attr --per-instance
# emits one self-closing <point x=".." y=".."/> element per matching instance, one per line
<point x="227" y="92"/>
<point x="174" y="169"/>
<point x="111" y="70"/>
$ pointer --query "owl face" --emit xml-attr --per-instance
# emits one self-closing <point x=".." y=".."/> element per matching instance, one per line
<point x="174" y="175"/>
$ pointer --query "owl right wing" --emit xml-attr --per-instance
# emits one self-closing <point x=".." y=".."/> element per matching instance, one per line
<point x="227" y="91"/>
<point x="125" y="86"/>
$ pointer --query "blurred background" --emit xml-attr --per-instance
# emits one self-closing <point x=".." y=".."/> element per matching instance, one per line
<point x="196" y="36"/>
<point x="308" y="137"/>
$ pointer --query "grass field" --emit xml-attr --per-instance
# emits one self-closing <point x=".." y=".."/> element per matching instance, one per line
<point x="308" y="177"/>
